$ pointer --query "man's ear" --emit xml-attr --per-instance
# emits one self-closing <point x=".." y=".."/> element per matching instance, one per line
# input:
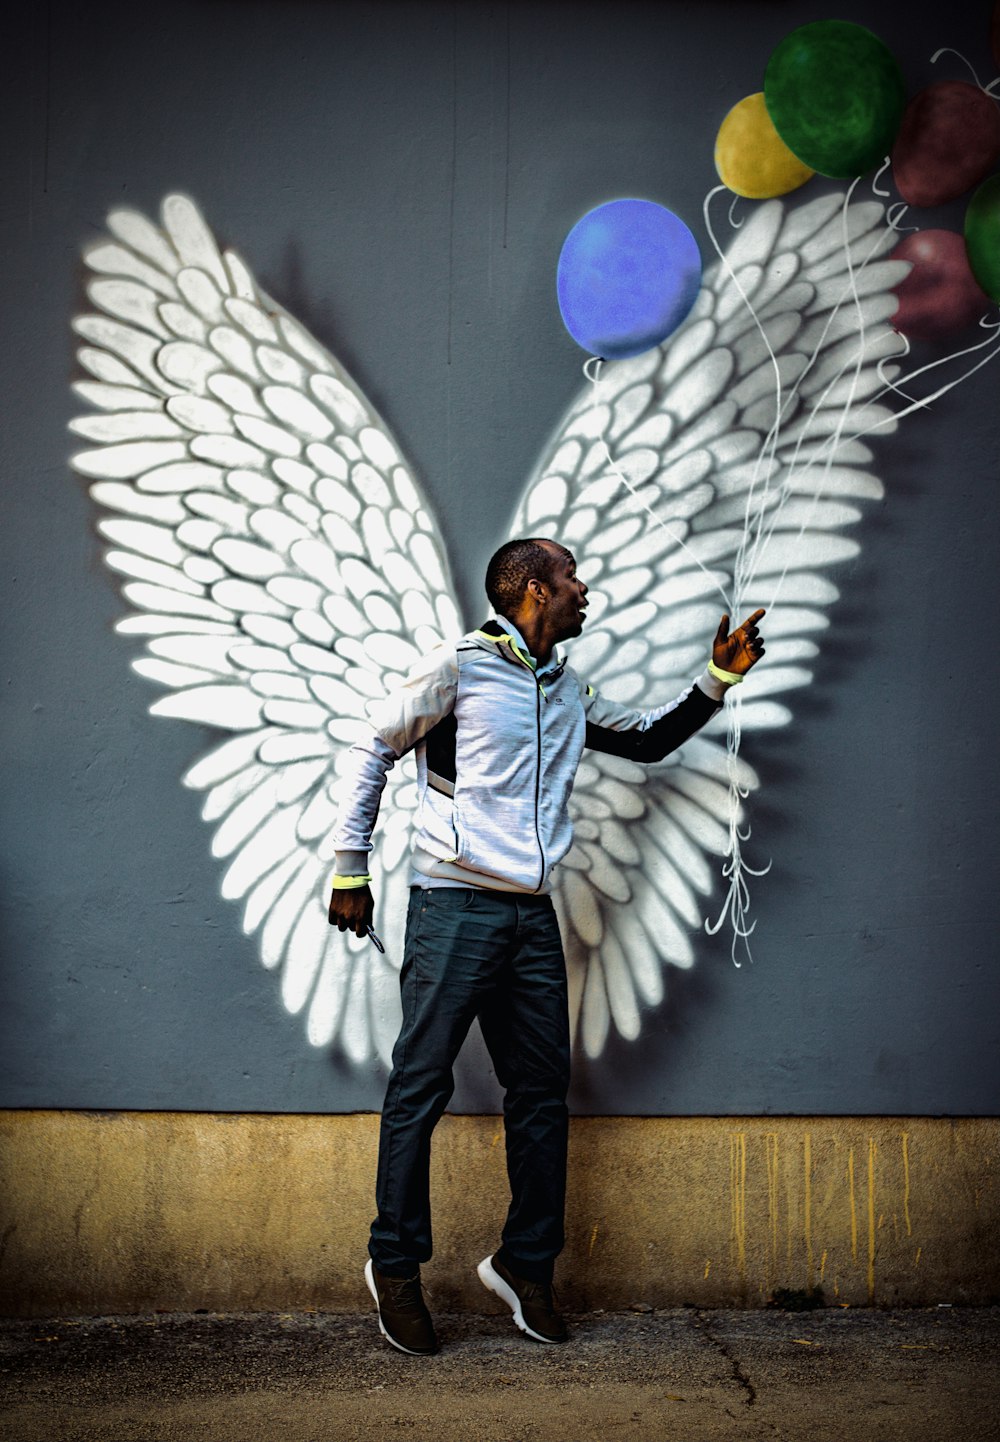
<point x="537" y="590"/>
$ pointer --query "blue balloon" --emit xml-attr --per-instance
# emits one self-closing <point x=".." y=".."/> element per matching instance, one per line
<point x="628" y="274"/>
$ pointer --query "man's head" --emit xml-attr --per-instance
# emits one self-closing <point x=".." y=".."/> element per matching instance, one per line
<point x="513" y="566"/>
<point x="534" y="584"/>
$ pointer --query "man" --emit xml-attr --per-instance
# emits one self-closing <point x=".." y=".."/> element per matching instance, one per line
<point x="499" y="723"/>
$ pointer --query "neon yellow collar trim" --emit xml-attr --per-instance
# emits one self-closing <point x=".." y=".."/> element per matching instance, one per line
<point x="514" y="642"/>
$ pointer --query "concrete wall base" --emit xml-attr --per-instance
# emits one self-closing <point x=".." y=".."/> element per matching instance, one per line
<point x="132" y="1212"/>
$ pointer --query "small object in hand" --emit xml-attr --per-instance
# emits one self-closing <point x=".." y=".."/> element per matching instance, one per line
<point x="373" y="937"/>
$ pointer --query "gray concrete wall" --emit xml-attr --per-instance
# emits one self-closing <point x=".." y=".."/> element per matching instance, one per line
<point x="401" y="178"/>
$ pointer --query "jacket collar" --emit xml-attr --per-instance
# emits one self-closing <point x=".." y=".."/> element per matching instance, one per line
<point x="502" y="636"/>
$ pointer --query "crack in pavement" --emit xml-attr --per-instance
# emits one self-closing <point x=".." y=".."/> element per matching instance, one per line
<point x="739" y="1376"/>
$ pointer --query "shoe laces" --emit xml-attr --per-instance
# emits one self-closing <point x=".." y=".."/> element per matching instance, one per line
<point x="543" y="1292"/>
<point x="404" y="1293"/>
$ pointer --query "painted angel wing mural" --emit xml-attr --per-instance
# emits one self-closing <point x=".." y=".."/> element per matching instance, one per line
<point x="283" y="569"/>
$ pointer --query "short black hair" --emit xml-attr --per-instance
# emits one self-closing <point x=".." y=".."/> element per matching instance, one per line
<point x="514" y="565"/>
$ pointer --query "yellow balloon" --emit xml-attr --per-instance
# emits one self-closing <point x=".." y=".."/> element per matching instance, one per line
<point x="751" y="157"/>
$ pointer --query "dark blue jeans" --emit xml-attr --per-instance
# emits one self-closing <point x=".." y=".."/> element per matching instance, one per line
<point x="497" y="956"/>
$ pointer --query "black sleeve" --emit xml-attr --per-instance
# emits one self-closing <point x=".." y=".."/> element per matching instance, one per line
<point x="658" y="740"/>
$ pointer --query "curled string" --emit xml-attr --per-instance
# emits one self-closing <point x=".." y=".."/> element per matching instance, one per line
<point x="899" y="205"/>
<point x="882" y="194"/>
<point x="924" y="402"/>
<point x="892" y="219"/>
<point x="888" y="382"/>
<point x="947" y="50"/>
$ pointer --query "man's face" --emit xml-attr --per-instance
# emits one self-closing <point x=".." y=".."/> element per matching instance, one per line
<point x="566" y="603"/>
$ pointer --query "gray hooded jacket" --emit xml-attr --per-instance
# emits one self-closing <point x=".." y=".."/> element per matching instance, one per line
<point x="498" y="741"/>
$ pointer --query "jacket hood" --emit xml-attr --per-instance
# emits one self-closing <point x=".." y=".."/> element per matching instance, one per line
<point x="505" y="640"/>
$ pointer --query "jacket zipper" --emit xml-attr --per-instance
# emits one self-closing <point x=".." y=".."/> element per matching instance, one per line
<point x="539" y="693"/>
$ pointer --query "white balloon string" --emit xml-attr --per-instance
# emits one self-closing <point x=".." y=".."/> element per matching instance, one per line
<point x="595" y="379"/>
<point x="736" y="870"/>
<point x="750" y="540"/>
<point x="947" y="50"/>
<point x="924" y="402"/>
<point x="805" y="431"/>
<point x="986" y="89"/>
<point x="984" y="324"/>
<point x="856" y="361"/>
<point x="882" y="194"/>
<point x="828" y="449"/>
<point x="892" y="220"/>
<point x="889" y="382"/>
<point x="736" y="904"/>
<point x="758" y="530"/>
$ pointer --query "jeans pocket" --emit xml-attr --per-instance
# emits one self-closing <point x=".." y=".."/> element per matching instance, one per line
<point x="449" y="898"/>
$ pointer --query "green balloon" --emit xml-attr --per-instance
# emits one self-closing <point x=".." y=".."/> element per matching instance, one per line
<point x="982" y="236"/>
<point x="836" y="97"/>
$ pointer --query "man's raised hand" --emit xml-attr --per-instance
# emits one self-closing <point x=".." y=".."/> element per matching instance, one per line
<point x="738" y="651"/>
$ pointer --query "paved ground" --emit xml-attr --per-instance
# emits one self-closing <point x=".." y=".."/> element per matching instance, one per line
<point x="686" y="1375"/>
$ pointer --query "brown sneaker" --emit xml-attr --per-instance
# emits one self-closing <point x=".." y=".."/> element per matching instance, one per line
<point x="403" y="1319"/>
<point x="531" y="1302"/>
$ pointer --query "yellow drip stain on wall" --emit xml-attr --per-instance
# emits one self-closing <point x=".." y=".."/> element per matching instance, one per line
<point x="496" y="1137"/>
<point x="872" y="1153"/>
<point x="905" y="1138"/>
<point x="772" y="1202"/>
<point x="807" y="1205"/>
<point x="593" y="1241"/>
<point x="854" y="1208"/>
<point x="916" y="1259"/>
<point x="708" y="1268"/>
<point x="738" y="1200"/>
<point x="822" y="1265"/>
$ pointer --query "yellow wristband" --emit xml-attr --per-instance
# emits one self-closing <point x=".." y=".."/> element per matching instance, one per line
<point x="729" y="678"/>
<point x="350" y="883"/>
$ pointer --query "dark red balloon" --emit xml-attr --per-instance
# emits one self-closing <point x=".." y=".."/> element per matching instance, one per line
<point x="940" y="294"/>
<point x="949" y="139"/>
